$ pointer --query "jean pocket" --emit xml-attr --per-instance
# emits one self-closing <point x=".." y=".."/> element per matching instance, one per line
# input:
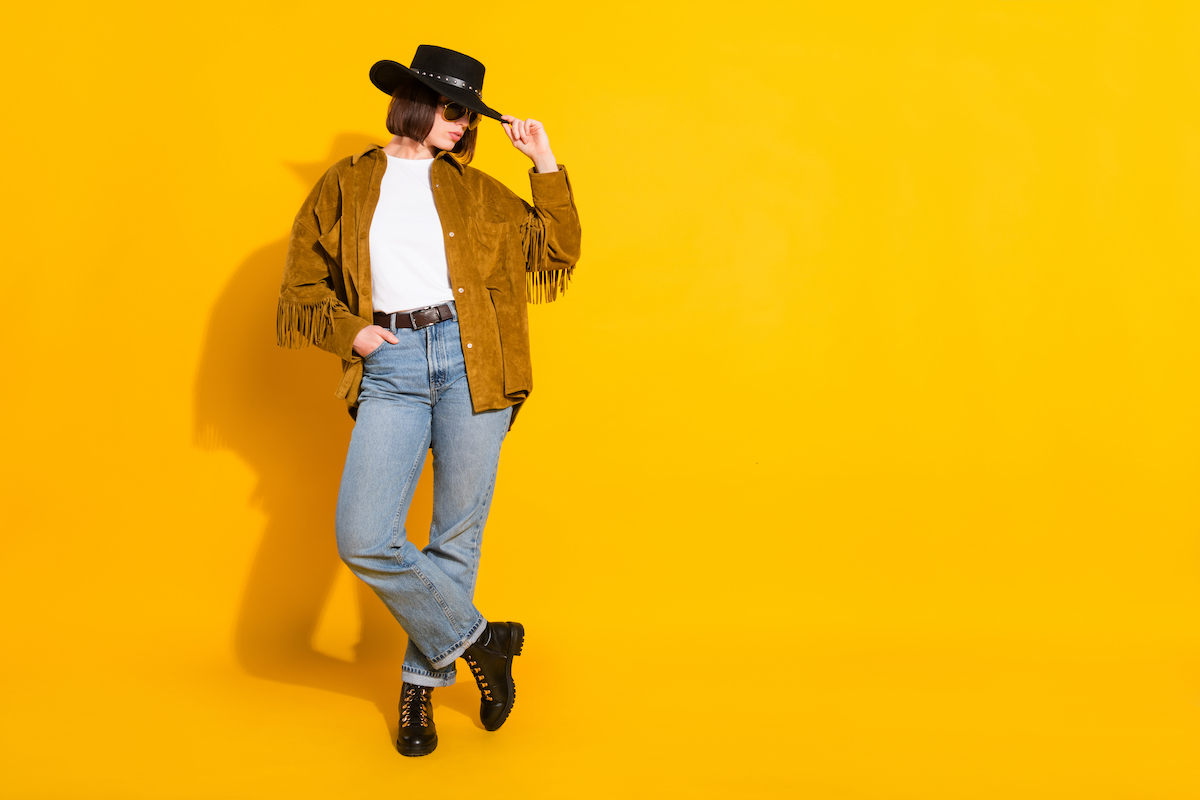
<point x="371" y="354"/>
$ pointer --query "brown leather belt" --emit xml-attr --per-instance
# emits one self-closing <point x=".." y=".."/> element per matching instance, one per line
<point x="415" y="319"/>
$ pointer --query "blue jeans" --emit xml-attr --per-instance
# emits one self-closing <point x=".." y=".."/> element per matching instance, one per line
<point x="414" y="396"/>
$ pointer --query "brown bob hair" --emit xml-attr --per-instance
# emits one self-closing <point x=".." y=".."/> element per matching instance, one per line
<point x="411" y="114"/>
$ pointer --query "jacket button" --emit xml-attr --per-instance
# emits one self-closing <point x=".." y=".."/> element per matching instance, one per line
<point x="460" y="290"/>
<point x="451" y="234"/>
<point x="468" y="345"/>
<point x="362" y="235"/>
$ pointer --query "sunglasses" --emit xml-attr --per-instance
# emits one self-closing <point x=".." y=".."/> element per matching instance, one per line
<point x="454" y="111"/>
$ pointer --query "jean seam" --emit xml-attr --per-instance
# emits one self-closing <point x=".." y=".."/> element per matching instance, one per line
<point x="436" y="596"/>
<point x="479" y="518"/>
<point x="443" y="360"/>
<point x="430" y="366"/>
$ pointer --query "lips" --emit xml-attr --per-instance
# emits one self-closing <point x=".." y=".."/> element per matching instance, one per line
<point x="456" y="136"/>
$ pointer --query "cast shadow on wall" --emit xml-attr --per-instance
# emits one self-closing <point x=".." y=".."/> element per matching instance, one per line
<point x="275" y="409"/>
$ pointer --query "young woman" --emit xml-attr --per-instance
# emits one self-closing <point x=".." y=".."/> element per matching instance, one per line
<point x="415" y="269"/>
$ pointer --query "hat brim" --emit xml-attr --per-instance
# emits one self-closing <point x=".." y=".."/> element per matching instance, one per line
<point x="387" y="75"/>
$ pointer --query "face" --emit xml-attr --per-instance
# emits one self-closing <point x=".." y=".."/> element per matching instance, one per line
<point x="445" y="134"/>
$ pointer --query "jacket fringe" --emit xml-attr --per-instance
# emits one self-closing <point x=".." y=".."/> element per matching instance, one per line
<point x="301" y="324"/>
<point x="544" y="285"/>
<point x="541" y="285"/>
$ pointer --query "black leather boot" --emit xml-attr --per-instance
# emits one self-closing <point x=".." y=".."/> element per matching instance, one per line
<point x="490" y="659"/>
<point x="418" y="736"/>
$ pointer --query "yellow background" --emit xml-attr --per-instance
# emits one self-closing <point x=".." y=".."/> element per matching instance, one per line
<point x="863" y="452"/>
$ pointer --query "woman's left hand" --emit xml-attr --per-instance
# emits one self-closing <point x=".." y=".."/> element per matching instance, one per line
<point x="529" y="136"/>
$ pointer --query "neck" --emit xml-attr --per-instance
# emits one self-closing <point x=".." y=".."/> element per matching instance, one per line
<point x="404" y="147"/>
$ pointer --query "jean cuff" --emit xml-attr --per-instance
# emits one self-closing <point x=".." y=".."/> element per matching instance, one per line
<point x="421" y="677"/>
<point x="446" y="657"/>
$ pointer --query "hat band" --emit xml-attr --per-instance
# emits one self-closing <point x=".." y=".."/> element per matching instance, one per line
<point x="461" y="84"/>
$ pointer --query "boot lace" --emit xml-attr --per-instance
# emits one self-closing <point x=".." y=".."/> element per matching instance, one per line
<point x="418" y="695"/>
<point x="477" y="671"/>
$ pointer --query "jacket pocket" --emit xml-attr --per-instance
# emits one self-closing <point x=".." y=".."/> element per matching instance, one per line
<point x="331" y="242"/>
<point x="489" y="233"/>
<point x="491" y="248"/>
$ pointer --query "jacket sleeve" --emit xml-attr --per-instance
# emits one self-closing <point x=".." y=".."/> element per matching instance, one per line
<point x="310" y="310"/>
<point x="550" y="235"/>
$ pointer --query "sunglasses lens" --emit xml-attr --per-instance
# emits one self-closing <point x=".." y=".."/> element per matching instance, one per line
<point x="454" y="111"/>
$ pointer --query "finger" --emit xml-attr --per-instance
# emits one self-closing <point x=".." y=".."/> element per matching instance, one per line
<point x="385" y="334"/>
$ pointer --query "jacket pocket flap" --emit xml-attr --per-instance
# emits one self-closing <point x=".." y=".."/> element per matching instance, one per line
<point x="490" y="234"/>
<point x="331" y="241"/>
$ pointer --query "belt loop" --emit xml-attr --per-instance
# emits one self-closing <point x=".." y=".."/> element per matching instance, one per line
<point x="453" y="310"/>
<point x="392" y="317"/>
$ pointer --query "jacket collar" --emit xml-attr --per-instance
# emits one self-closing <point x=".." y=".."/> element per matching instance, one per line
<point x="449" y="159"/>
<point x="354" y="159"/>
<point x="442" y="154"/>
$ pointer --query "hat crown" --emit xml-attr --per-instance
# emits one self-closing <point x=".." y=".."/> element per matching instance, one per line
<point x="452" y="74"/>
<point x="441" y="63"/>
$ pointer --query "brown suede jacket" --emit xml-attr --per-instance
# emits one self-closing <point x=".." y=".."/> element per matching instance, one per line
<point x="501" y="252"/>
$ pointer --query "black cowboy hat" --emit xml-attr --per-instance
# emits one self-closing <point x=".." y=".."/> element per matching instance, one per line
<point x="450" y="73"/>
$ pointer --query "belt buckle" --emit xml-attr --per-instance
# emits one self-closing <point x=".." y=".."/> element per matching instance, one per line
<point x="412" y="317"/>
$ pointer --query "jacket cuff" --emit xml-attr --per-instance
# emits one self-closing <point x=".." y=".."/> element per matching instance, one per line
<point x="344" y="331"/>
<point x="550" y="188"/>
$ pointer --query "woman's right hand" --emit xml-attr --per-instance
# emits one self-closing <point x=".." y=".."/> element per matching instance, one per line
<point x="372" y="337"/>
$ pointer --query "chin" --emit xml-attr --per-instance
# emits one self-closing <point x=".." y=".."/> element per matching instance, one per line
<point x="441" y="144"/>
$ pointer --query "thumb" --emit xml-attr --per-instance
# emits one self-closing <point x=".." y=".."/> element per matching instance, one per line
<point x="391" y="337"/>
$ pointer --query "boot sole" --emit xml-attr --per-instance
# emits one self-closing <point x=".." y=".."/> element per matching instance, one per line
<point x="423" y="751"/>
<point x="515" y="646"/>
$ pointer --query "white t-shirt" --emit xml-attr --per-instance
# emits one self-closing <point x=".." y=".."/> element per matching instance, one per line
<point x="408" y="254"/>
